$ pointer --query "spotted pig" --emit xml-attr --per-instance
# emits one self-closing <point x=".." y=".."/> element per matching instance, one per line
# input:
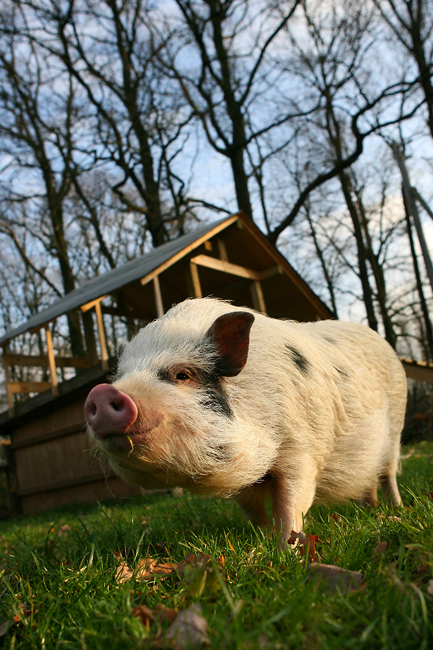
<point x="225" y="401"/>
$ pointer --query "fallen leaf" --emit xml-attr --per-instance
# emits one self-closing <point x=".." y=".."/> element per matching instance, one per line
<point x="394" y="518"/>
<point x="307" y="545"/>
<point x="148" y="568"/>
<point x="336" y="517"/>
<point x="123" y="573"/>
<point x="189" y="630"/>
<point x="335" y="577"/>
<point x="430" y="587"/>
<point x="381" y="548"/>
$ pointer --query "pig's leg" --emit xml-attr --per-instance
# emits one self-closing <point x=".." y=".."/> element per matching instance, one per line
<point x="388" y="480"/>
<point x="370" y="498"/>
<point x="389" y="486"/>
<point x="252" y="502"/>
<point x="292" y="497"/>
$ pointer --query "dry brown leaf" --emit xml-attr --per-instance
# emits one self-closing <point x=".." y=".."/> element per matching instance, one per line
<point x="149" y="568"/>
<point x="335" y="577"/>
<point x="430" y="587"/>
<point x="336" y="517"/>
<point x="307" y="545"/>
<point x="189" y="630"/>
<point x="381" y="548"/>
<point x="394" y="518"/>
<point x="123" y="573"/>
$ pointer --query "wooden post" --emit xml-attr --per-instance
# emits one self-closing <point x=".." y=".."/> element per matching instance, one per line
<point x="158" y="297"/>
<point x="257" y="296"/>
<point x="104" y="353"/>
<point x="195" y="280"/>
<point x="51" y="361"/>
<point x="222" y="251"/>
<point x="9" y="392"/>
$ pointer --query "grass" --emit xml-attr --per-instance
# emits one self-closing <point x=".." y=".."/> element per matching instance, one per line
<point x="58" y="574"/>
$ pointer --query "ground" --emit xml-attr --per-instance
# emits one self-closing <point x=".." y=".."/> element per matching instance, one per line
<point x="119" y="575"/>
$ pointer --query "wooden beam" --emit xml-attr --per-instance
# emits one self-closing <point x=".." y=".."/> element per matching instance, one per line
<point x="158" y="297"/>
<point x="66" y="483"/>
<point x="208" y="245"/>
<point x="195" y="280"/>
<point x="225" y="267"/>
<point x="289" y="271"/>
<point x="92" y="303"/>
<point x="102" y="342"/>
<point x="257" y="296"/>
<point x="198" y="242"/>
<point x="418" y="370"/>
<point x="222" y="250"/>
<point x="269" y="273"/>
<point x="42" y="361"/>
<point x="46" y="437"/>
<point x="51" y="361"/>
<point x="29" y="386"/>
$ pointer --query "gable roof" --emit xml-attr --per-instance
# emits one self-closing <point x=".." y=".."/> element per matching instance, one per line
<point x="153" y="263"/>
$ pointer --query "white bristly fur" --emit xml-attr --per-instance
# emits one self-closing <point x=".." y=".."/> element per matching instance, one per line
<point x="317" y="421"/>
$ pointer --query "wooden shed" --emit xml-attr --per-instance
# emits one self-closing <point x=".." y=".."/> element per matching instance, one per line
<point x="49" y="464"/>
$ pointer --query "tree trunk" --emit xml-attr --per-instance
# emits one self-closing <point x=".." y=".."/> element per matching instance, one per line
<point x="367" y="292"/>
<point x="419" y="285"/>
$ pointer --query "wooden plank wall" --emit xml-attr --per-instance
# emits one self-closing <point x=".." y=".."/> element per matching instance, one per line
<point x="54" y="465"/>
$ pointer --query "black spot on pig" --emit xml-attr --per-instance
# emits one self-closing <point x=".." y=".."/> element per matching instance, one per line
<point x="164" y="375"/>
<point x="298" y="359"/>
<point x="214" y="395"/>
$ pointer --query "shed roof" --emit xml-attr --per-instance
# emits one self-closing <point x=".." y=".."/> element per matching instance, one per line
<point x="112" y="280"/>
<point x="150" y="264"/>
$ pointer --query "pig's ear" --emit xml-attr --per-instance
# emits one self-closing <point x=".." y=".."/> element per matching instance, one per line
<point x="230" y="335"/>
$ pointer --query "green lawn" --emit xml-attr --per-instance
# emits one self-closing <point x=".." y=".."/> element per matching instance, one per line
<point x="61" y="589"/>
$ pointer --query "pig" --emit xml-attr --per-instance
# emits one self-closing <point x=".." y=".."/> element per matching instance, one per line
<point x="226" y="401"/>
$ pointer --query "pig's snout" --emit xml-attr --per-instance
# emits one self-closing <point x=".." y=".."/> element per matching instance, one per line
<point x="108" y="411"/>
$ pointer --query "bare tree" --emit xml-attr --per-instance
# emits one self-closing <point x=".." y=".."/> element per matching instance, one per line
<point x="38" y="128"/>
<point x="109" y="48"/>
<point x="411" y="23"/>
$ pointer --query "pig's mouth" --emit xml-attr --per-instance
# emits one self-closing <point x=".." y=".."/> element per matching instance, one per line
<point x="122" y="441"/>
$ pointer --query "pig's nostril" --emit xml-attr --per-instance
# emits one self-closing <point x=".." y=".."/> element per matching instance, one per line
<point x="92" y="408"/>
<point x="117" y="406"/>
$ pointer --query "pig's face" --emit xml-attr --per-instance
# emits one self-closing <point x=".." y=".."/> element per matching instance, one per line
<point x="167" y="419"/>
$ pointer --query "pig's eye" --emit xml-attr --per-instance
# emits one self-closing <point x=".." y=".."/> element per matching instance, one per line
<point x="183" y="376"/>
